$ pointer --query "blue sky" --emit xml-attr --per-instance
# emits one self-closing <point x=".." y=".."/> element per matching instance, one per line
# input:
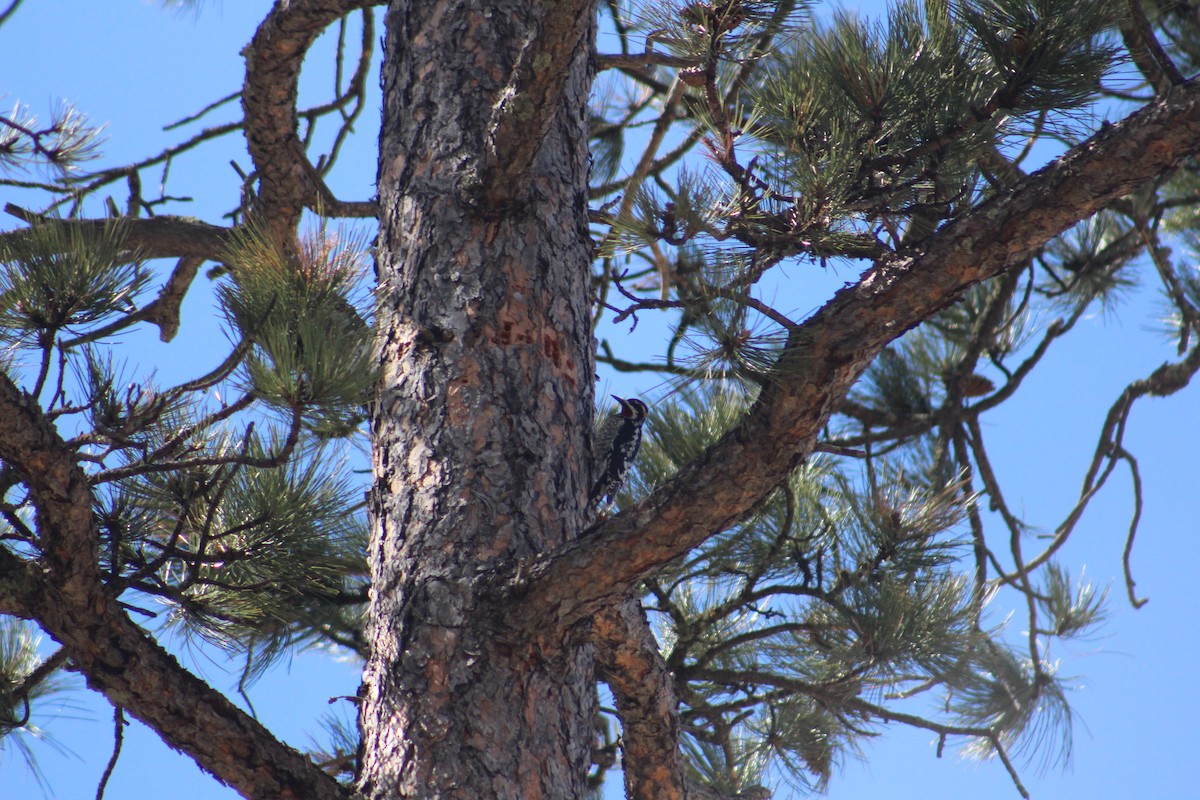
<point x="137" y="68"/>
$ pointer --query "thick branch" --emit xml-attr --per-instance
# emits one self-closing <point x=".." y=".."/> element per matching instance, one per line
<point x="628" y="660"/>
<point x="117" y="657"/>
<point x="18" y="583"/>
<point x="526" y="106"/>
<point x="1145" y="51"/>
<point x="287" y="181"/>
<point x="832" y="348"/>
<point x="149" y="237"/>
<point x="191" y="240"/>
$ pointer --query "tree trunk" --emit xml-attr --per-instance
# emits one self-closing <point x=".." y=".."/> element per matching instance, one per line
<point x="485" y="408"/>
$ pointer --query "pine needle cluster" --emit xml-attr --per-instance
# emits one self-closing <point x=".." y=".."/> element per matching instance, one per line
<point x="837" y="607"/>
<point x="225" y="505"/>
<point x="845" y="139"/>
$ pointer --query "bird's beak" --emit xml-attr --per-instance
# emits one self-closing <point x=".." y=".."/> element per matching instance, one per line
<point x="624" y="405"/>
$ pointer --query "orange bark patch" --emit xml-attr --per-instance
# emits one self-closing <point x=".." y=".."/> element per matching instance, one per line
<point x="531" y="335"/>
<point x="443" y="641"/>
<point x="551" y="348"/>
<point x="1159" y="150"/>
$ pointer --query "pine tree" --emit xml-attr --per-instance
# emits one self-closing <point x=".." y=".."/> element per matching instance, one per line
<point x="815" y="538"/>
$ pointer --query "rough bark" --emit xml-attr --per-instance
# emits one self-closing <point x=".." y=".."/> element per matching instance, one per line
<point x="485" y="407"/>
<point x="628" y="660"/>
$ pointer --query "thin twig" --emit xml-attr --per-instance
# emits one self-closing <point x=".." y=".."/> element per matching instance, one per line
<point x="1127" y="554"/>
<point x="1163" y="381"/>
<point x="634" y="183"/>
<point x="1016" y="530"/>
<point x="24" y="689"/>
<point x="208" y="108"/>
<point x="8" y="12"/>
<point x="647" y="59"/>
<point x="118" y="741"/>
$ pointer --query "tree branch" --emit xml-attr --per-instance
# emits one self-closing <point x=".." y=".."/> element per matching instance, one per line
<point x="525" y="107"/>
<point x="628" y="660"/>
<point x="148" y="237"/>
<point x="119" y="659"/>
<point x="1165" y="380"/>
<point x="190" y="240"/>
<point x="635" y="60"/>
<point x="1144" y="49"/>
<point x="18" y="583"/>
<point x="8" y="12"/>
<point x="832" y="348"/>
<point x="288" y="182"/>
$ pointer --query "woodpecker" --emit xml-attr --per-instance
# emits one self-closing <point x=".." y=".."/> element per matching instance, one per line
<point x="616" y="444"/>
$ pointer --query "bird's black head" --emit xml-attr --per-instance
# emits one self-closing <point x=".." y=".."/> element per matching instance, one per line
<point x="632" y="408"/>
